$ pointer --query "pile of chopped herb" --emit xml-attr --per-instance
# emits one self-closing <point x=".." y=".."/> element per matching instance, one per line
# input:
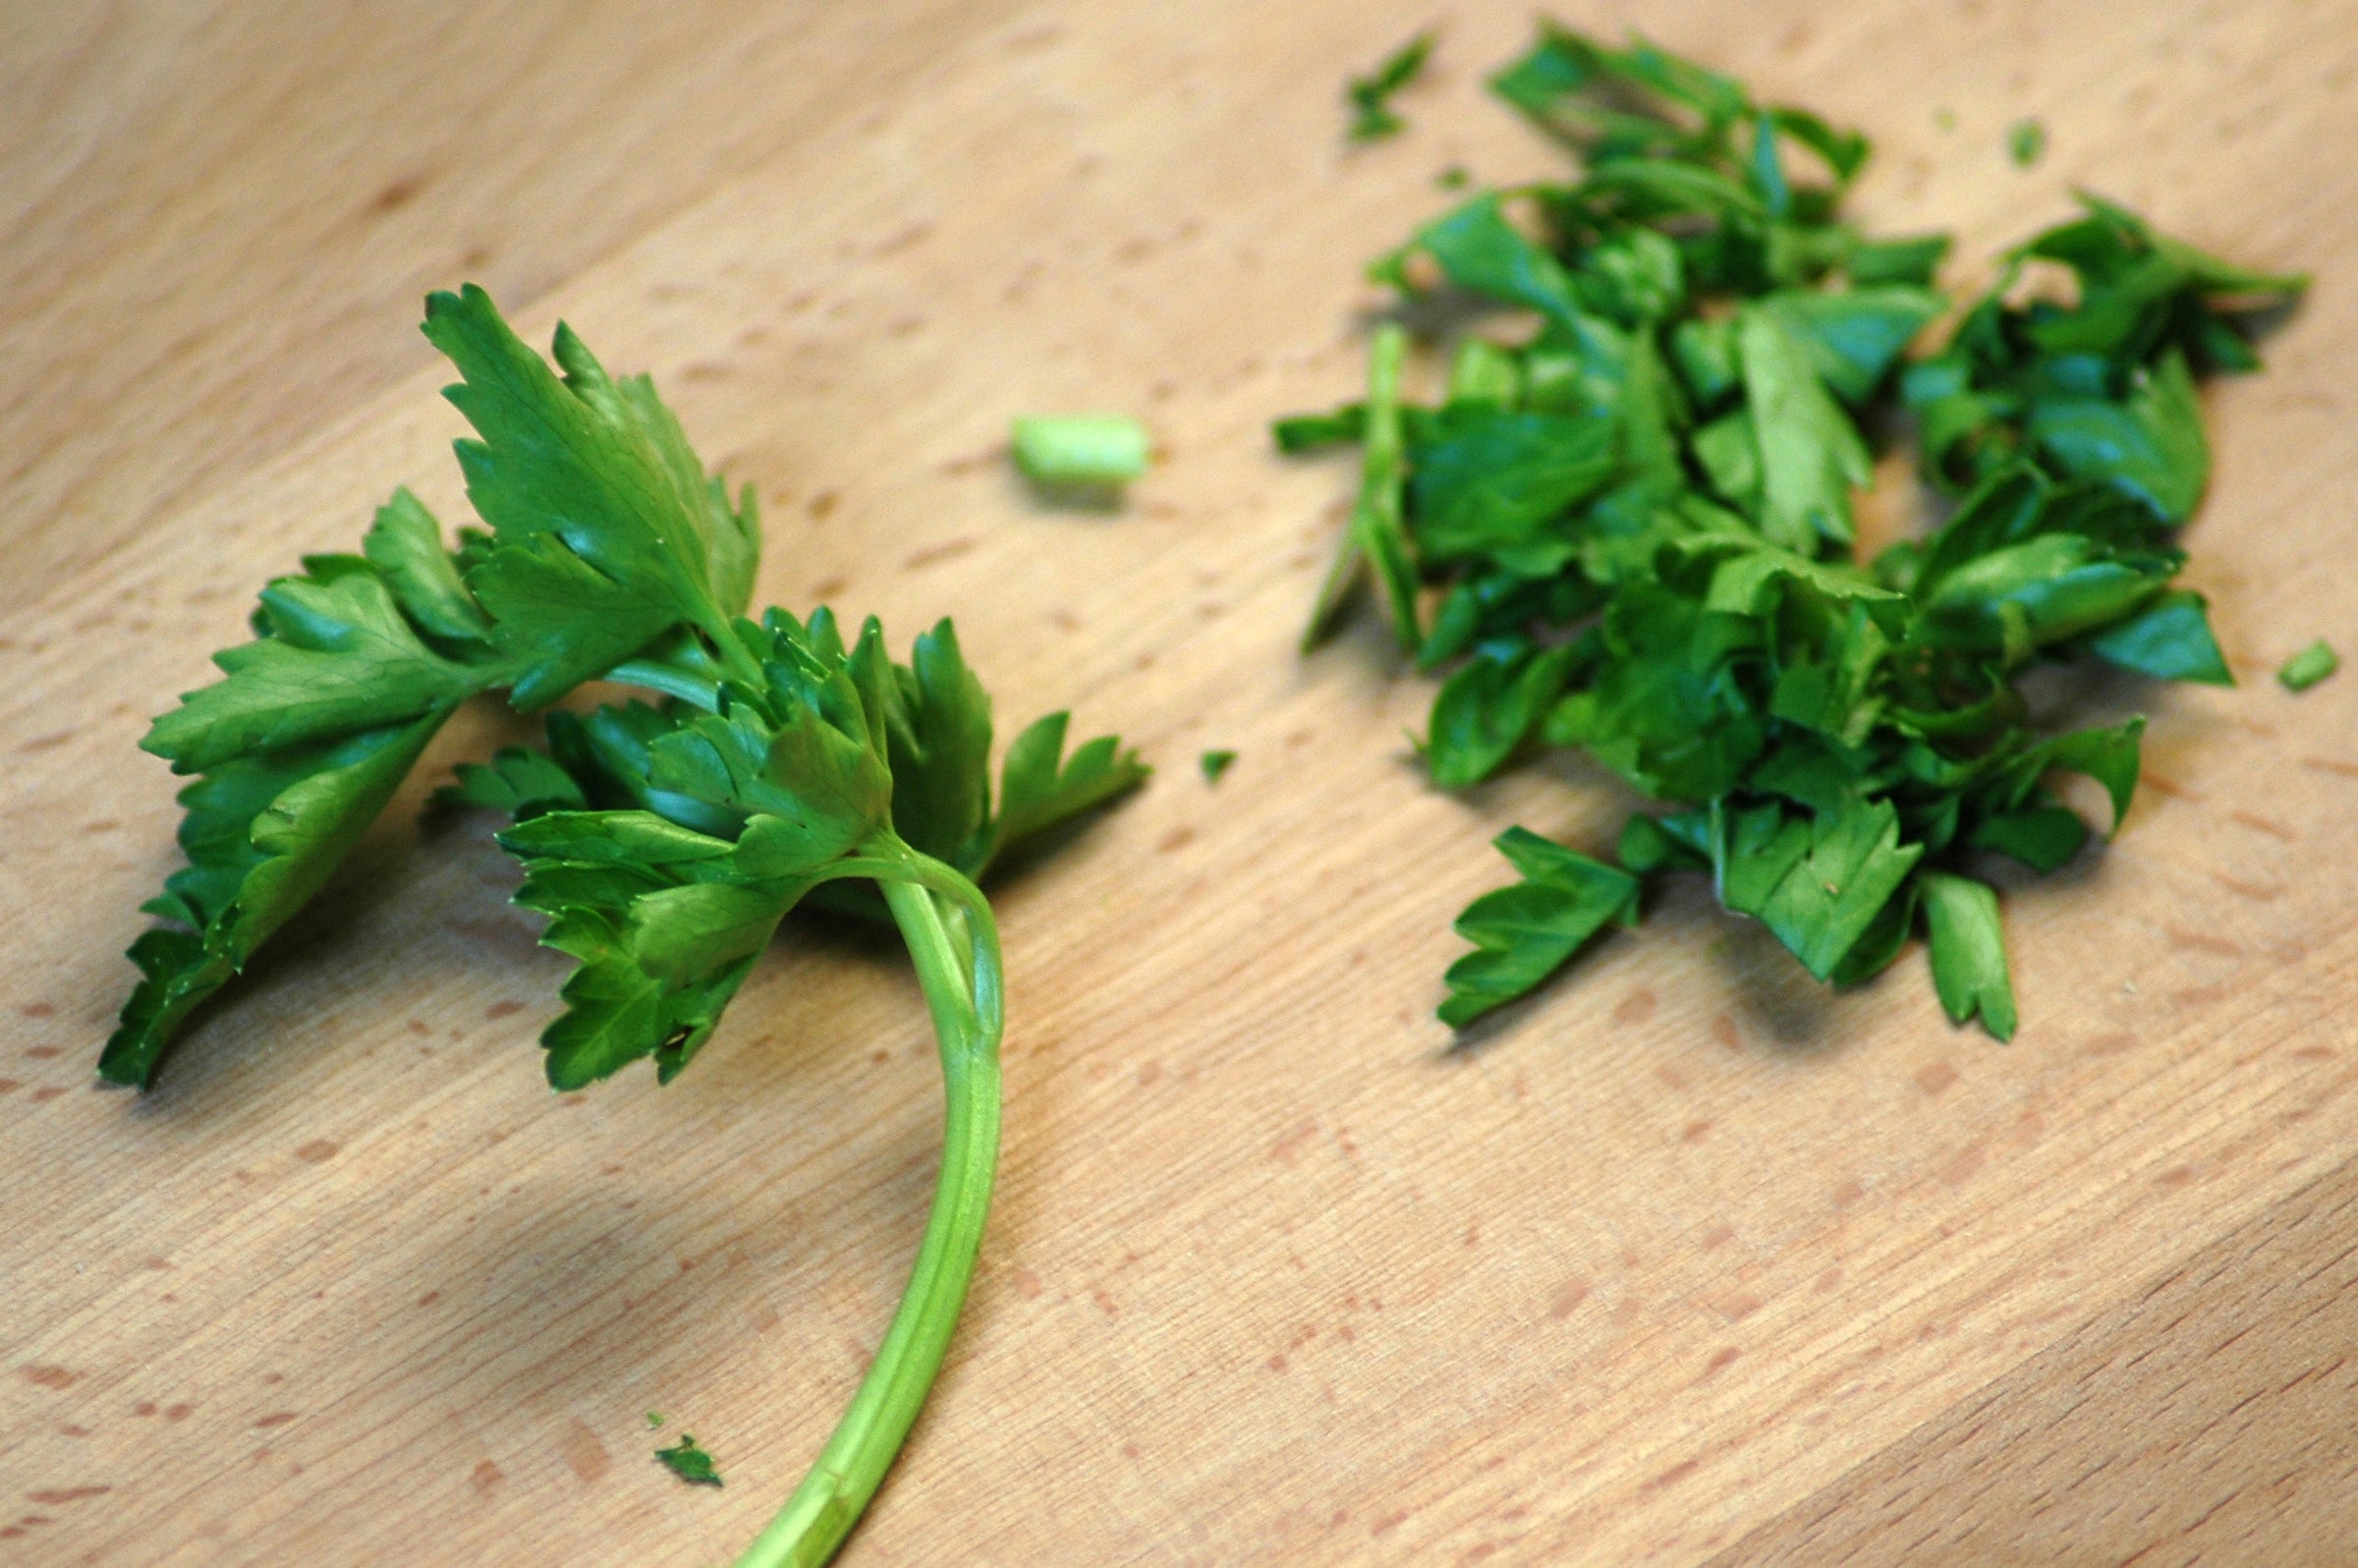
<point x="1628" y="528"/>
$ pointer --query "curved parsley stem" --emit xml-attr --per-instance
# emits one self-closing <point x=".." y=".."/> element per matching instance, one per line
<point x="954" y="942"/>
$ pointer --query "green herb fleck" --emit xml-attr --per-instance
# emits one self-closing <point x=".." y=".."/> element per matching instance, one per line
<point x="1214" y="764"/>
<point x="1370" y="96"/>
<point x="1081" y="450"/>
<point x="655" y="1418"/>
<point x="2026" y="140"/>
<point x="689" y="1463"/>
<point x="1454" y="178"/>
<point x="2309" y="666"/>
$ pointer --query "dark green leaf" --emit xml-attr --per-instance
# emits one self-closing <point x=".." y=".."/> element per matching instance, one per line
<point x="1969" y="952"/>
<point x="687" y="1461"/>
<point x="1816" y="881"/>
<point x="1488" y="481"/>
<point x="2041" y="837"/>
<point x="1370" y="96"/>
<point x="1526" y="932"/>
<point x="1811" y="455"/>
<point x="1041" y="788"/>
<point x="2170" y="639"/>
<point x="1489" y="708"/>
<point x="262" y="835"/>
<point x="2150" y="443"/>
<point x="515" y="783"/>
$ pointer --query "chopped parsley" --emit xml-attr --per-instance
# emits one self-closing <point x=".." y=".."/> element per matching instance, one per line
<point x="1214" y="764"/>
<point x="1370" y="96"/>
<point x="2309" y="666"/>
<point x="688" y="1461"/>
<point x="2026" y="140"/>
<point x="1628" y="528"/>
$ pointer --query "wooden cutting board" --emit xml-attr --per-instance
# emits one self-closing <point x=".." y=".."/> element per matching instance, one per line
<point x="1686" y="1262"/>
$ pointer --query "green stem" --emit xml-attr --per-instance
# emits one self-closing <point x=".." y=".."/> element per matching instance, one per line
<point x="1376" y="536"/>
<point x="959" y="971"/>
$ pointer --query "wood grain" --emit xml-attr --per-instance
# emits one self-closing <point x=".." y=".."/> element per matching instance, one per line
<point x="1669" y="1257"/>
<point x="2206" y="1421"/>
<point x="214" y="210"/>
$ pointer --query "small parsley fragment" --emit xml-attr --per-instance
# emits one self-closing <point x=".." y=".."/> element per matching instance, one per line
<point x="2026" y="140"/>
<point x="688" y="1461"/>
<point x="2309" y="666"/>
<point x="654" y="1419"/>
<point x="1627" y="525"/>
<point x="1081" y="450"/>
<point x="1370" y="96"/>
<point x="1214" y="764"/>
<point x="783" y="766"/>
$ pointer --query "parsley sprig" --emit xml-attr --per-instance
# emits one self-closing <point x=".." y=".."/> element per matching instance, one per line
<point x="666" y="842"/>
<point x="1631" y="530"/>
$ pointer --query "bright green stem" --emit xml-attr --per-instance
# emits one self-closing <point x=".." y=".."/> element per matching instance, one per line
<point x="955" y="944"/>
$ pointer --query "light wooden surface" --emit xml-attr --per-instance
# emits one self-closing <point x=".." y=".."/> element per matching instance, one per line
<point x="1686" y="1262"/>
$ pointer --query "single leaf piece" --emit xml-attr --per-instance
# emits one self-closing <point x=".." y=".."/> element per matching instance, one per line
<point x="2043" y="837"/>
<point x="940" y="747"/>
<point x="605" y="531"/>
<point x="338" y="656"/>
<point x="1489" y="708"/>
<point x="1969" y="951"/>
<point x="1854" y="338"/>
<point x="1811" y="455"/>
<point x="2170" y="639"/>
<point x="686" y="1460"/>
<point x="2108" y="753"/>
<point x="1487" y="482"/>
<point x="1526" y="932"/>
<point x="1039" y="787"/>
<point x="2150" y="443"/>
<point x="1480" y="251"/>
<point x="405" y="546"/>
<point x="1370" y="96"/>
<point x="1816" y="882"/>
<point x="262" y="834"/>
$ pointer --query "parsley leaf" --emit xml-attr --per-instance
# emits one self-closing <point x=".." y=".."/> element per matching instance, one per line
<point x="686" y="1460"/>
<point x="1214" y="764"/>
<point x="607" y="541"/>
<point x="665" y="842"/>
<point x="1370" y="96"/>
<point x="1524" y="932"/>
<point x="2309" y="666"/>
<point x="1969" y="952"/>
<point x="605" y="531"/>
